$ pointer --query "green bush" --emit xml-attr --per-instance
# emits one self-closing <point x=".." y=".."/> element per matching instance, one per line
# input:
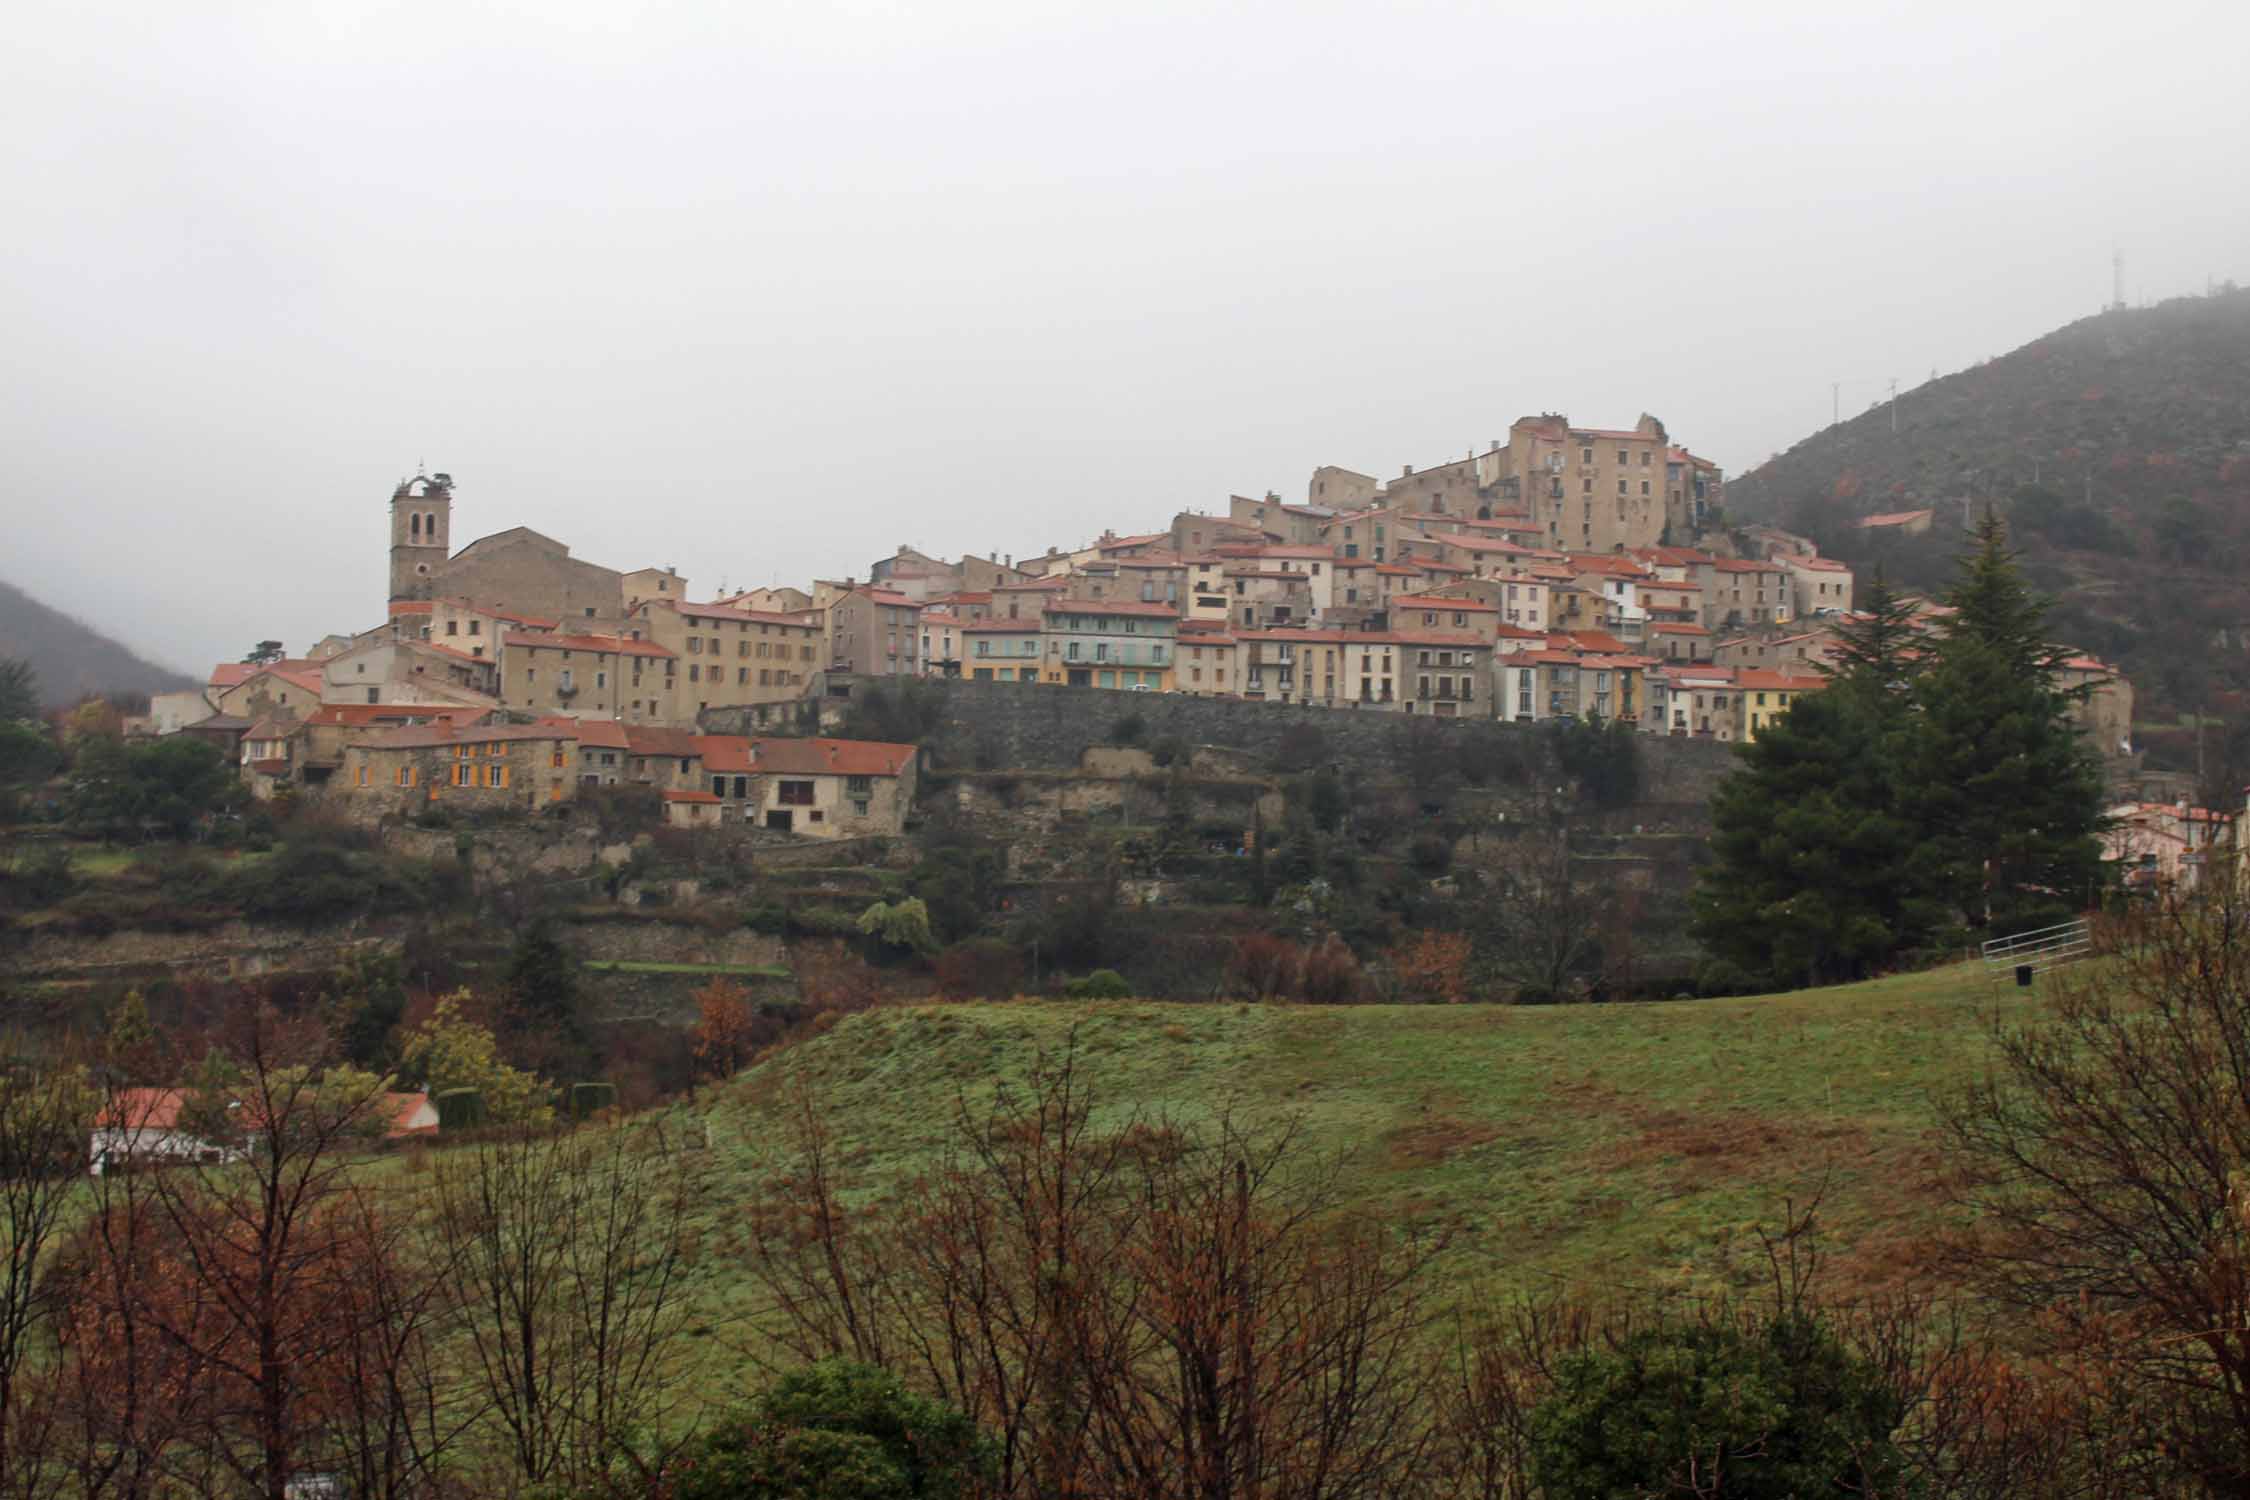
<point x="1781" y="1411"/>
<point x="1170" y="750"/>
<point x="832" y="1431"/>
<point x="1102" y="984"/>
<point x="459" y="1109"/>
<point x="1724" y="977"/>
<point x="1128" y="729"/>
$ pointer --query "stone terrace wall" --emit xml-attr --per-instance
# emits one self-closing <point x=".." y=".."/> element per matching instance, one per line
<point x="995" y="726"/>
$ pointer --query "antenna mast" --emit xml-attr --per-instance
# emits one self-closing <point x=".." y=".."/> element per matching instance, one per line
<point x="2117" y="279"/>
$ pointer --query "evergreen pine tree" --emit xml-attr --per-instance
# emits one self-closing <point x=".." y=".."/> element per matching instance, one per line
<point x="1814" y="880"/>
<point x="2005" y="790"/>
<point x="1877" y="642"/>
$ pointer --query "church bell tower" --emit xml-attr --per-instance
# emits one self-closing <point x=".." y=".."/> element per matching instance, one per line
<point x="421" y="533"/>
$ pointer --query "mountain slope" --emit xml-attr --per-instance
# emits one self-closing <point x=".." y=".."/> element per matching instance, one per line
<point x="73" y="658"/>
<point x="2119" y="448"/>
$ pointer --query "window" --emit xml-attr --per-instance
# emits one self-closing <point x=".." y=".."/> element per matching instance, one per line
<point x="794" y="794"/>
<point x="860" y="786"/>
<point x="859" y="807"/>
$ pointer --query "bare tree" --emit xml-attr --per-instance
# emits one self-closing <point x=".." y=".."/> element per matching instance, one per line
<point x="567" y="1289"/>
<point x="1539" y="930"/>
<point x="44" y="1119"/>
<point x="261" y="1266"/>
<point x="2105" y="1159"/>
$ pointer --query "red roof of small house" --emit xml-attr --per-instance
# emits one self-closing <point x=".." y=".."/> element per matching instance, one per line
<point x="593" y="734"/>
<point x="1893" y="518"/>
<point x="297" y="673"/>
<point x="1669" y="628"/>
<point x="724" y="754"/>
<point x="444" y="650"/>
<point x="358" y="715"/>
<point x="159" y="1109"/>
<point x="611" y="644"/>
<point x="941" y="619"/>
<point x="1739" y="565"/>
<point x="650" y="739"/>
<point x="888" y="598"/>
<point x="1507" y="632"/>
<point x="1767" y="679"/>
<point x="1817" y="564"/>
<point x="1110" y="544"/>
<point x="442" y="732"/>
<point x="677" y="794"/>
<point x="805" y="757"/>
<point x="410" y="607"/>
<point x="1134" y="607"/>
<point x="1590" y="640"/>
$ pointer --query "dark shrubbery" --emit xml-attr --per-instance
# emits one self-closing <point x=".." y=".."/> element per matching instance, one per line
<point x="1102" y="984"/>
<point x="1781" y="1411"/>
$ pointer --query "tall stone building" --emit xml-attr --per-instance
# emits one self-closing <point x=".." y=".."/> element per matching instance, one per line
<point x="1584" y="489"/>
<point x="518" y="570"/>
<point x="421" y="534"/>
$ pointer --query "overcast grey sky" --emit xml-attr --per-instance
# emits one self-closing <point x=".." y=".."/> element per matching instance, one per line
<point x="763" y="290"/>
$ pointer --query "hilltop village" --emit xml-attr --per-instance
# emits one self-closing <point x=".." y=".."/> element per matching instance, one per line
<point x="1567" y="573"/>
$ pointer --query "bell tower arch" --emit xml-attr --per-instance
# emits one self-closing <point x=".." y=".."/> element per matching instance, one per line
<point x="421" y="533"/>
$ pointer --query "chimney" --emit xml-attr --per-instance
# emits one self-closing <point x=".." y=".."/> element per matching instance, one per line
<point x="1406" y="471"/>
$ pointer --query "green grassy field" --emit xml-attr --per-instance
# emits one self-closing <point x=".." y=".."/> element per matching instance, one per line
<point x="1621" y="1145"/>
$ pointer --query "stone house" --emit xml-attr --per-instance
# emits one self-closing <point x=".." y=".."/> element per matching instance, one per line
<point x="474" y="766"/>
<point x="1818" y="585"/>
<point x="1120" y="643"/>
<point x="591" y="676"/>
<point x="410" y="671"/>
<point x="873" y="632"/>
<point x="730" y="657"/>
<point x="1205" y="659"/>
<point x="1764" y="695"/>
<point x="280" y="690"/>
<point x="815" y="787"/>
<point x="1001" y="651"/>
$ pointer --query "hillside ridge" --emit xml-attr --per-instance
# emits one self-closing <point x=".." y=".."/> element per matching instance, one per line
<point x="75" y="659"/>
<point x="2118" y="446"/>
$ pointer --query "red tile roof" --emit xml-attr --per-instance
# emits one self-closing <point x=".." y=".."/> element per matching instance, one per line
<point x="795" y="757"/>
<point x="650" y="739"/>
<point x="593" y="734"/>
<point x="410" y="607"/>
<point x="356" y="715"/>
<point x="1767" y="679"/>
<point x="1133" y="607"/>
<point x="612" y="644"/>
<point x="422" y="736"/>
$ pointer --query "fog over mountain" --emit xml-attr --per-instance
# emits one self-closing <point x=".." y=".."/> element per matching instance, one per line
<point x="765" y="291"/>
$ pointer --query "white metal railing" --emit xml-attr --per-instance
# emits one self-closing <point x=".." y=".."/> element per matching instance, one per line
<point x="2042" y="948"/>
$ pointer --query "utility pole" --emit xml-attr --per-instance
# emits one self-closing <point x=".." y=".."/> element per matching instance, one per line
<point x="1894" y="403"/>
<point x="1835" y="402"/>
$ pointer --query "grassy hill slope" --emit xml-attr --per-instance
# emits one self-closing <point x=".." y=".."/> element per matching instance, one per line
<point x="2130" y="433"/>
<point x="1627" y="1144"/>
<point x="71" y="657"/>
